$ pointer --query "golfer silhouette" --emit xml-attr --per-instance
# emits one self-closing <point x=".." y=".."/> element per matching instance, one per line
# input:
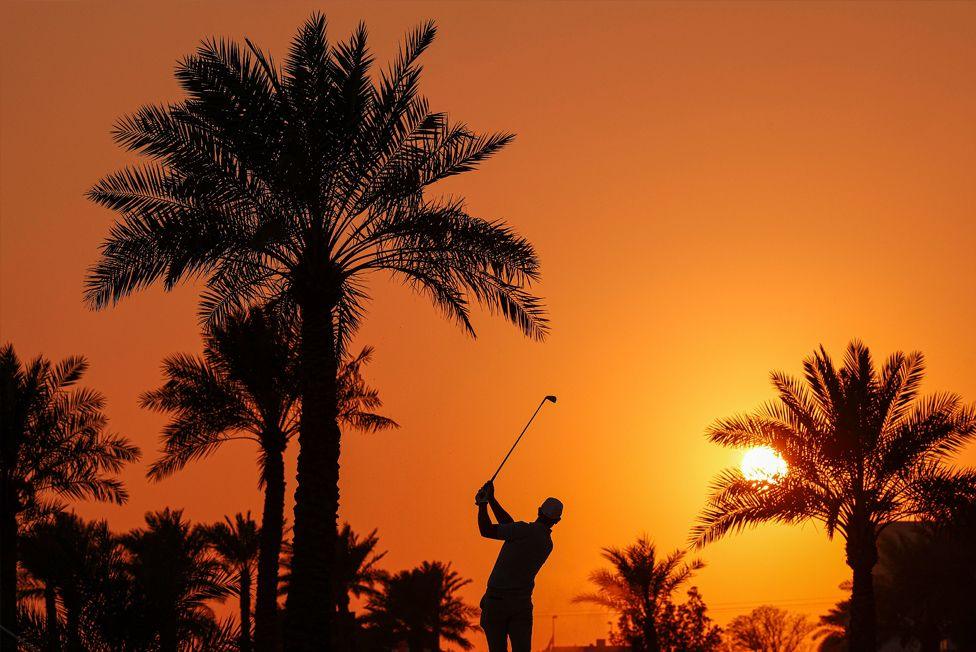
<point x="506" y="608"/>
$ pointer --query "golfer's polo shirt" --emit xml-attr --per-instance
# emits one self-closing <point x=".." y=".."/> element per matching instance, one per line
<point x="526" y="548"/>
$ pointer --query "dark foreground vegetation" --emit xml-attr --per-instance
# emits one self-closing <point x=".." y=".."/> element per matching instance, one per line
<point x="158" y="587"/>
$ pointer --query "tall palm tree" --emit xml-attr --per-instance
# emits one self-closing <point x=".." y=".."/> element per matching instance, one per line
<point x="244" y="387"/>
<point x="236" y="544"/>
<point x="421" y="607"/>
<point x="357" y="574"/>
<point x="291" y="185"/>
<point x="55" y="445"/>
<point x="638" y="587"/>
<point x="174" y="577"/>
<point x="863" y="451"/>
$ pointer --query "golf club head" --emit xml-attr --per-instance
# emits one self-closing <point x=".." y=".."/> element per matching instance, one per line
<point x="551" y="398"/>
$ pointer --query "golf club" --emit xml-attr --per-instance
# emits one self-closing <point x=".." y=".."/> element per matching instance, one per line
<point x="550" y="399"/>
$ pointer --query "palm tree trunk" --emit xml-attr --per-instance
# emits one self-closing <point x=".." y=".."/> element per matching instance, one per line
<point x="930" y="640"/>
<point x="245" y="641"/>
<point x="650" y="636"/>
<point x="308" y="625"/>
<point x="862" y="555"/>
<point x="51" y="618"/>
<point x="168" y="639"/>
<point x="344" y="622"/>
<point x="8" y="568"/>
<point x="266" y="631"/>
<point x="72" y="618"/>
<point x="649" y="625"/>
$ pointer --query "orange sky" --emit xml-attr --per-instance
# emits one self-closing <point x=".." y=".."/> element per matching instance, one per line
<point x="714" y="189"/>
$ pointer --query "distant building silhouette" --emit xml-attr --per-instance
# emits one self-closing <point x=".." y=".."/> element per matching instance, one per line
<point x="600" y="645"/>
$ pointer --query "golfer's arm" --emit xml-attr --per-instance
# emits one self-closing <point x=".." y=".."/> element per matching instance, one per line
<point x="488" y="529"/>
<point x="500" y="514"/>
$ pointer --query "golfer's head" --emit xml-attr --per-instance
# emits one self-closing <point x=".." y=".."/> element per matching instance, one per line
<point x="551" y="510"/>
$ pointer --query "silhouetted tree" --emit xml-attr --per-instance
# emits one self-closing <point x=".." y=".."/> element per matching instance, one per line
<point x="174" y="575"/>
<point x="863" y="451"/>
<point x="831" y="630"/>
<point x="769" y="629"/>
<point x="42" y="557"/>
<point x="236" y="544"/>
<point x="421" y="607"/>
<point x="72" y="562"/>
<point x="245" y="387"/>
<point x="53" y="445"/>
<point x="925" y="587"/>
<point x="105" y="593"/>
<point x="357" y="576"/>
<point x="290" y="185"/>
<point x="638" y="587"/>
<point x="686" y="627"/>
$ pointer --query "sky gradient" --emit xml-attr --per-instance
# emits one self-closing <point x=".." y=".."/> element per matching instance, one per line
<point x="714" y="190"/>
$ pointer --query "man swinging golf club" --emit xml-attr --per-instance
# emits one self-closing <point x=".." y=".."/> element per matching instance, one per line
<point x="506" y="608"/>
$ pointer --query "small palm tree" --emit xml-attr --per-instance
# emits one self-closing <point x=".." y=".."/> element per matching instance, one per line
<point x="174" y="577"/>
<point x="863" y="451"/>
<point x="357" y="574"/>
<point x="236" y="544"/>
<point x="421" y="607"/>
<point x="245" y="387"/>
<point x="291" y="185"/>
<point x="55" y="445"/>
<point x="68" y="558"/>
<point x="638" y="587"/>
<point x="43" y="558"/>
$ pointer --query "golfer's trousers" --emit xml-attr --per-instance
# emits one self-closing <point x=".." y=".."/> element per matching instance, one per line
<point x="507" y="619"/>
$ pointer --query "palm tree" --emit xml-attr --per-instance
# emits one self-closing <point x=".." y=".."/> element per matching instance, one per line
<point x="421" y="607"/>
<point x="245" y="387"/>
<point x="236" y="544"/>
<point x="357" y="574"/>
<point x="54" y="446"/>
<point x="68" y="557"/>
<point x="42" y="557"/>
<point x="863" y="451"/>
<point x="925" y="588"/>
<point x="291" y="185"/>
<point x="926" y="584"/>
<point x="638" y="587"/>
<point x="174" y="576"/>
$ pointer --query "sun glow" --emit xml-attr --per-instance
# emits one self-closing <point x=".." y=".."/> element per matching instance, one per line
<point x="763" y="464"/>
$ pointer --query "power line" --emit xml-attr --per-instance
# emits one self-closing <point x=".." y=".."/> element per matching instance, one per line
<point x="719" y="606"/>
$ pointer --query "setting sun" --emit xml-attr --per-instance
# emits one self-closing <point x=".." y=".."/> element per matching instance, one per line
<point x="764" y="464"/>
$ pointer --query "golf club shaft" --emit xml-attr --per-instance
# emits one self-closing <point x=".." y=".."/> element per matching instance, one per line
<point x="517" y="440"/>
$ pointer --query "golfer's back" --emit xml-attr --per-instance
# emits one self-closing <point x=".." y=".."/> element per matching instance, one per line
<point x="526" y="548"/>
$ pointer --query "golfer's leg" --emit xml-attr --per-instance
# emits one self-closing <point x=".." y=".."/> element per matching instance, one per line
<point x="520" y="630"/>
<point x="493" y="624"/>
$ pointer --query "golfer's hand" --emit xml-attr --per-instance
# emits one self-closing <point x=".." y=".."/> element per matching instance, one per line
<point x="481" y="498"/>
<point x="484" y="494"/>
